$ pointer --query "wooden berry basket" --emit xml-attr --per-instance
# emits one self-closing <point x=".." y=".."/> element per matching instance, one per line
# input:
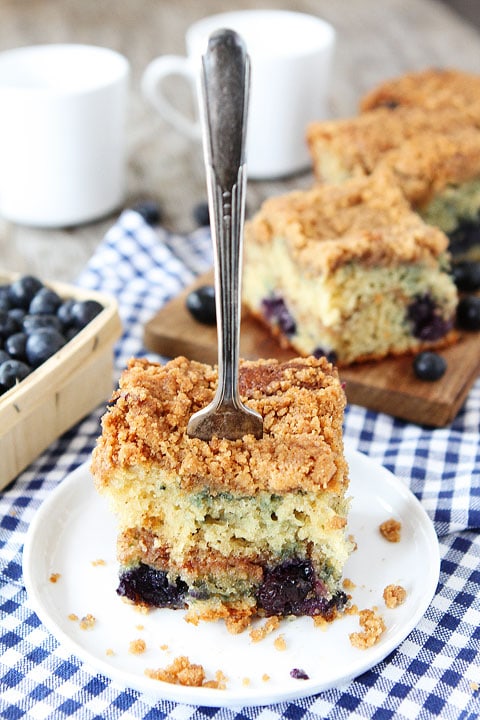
<point x="62" y="391"/>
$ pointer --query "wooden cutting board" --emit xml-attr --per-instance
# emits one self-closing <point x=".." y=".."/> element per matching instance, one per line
<point x="388" y="386"/>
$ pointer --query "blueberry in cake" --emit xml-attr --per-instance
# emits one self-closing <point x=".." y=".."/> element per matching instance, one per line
<point x="228" y="529"/>
<point x="349" y="271"/>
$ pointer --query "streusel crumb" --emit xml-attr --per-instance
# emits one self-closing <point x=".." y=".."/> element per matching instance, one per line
<point x="391" y="530"/>
<point x="260" y="633"/>
<point x="98" y="563"/>
<point x="373" y="627"/>
<point x="183" y="672"/>
<point x="54" y="577"/>
<point x="394" y="595"/>
<point x="88" y="622"/>
<point x="137" y="647"/>
<point x="280" y="643"/>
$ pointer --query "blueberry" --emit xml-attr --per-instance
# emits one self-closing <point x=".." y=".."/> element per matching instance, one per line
<point x="22" y="290"/>
<point x="466" y="276"/>
<point x="150" y="211"/>
<point x="17" y="314"/>
<point x="427" y="324"/>
<point x="145" y="584"/>
<point x="4" y="356"/>
<point x="65" y="314"/>
<point x="201" y="214"/>
<point x="83" y="312"/>
<point x="5" y="303"/>
<point x="468" y="313"/>
<point x="331" y="355"/>
<point x="429" y="365"/>
<point x="32" y="323"/>
<point x="299" y="674"/>
<point x="8" y="324"/>
<point x="13" y="372"/>
<point x="42" y="344"/>
<point x="275" y="310"/>
<point x="201" y="304"/>
<point x="15" y="346"/>
<point x="45" y="302"/>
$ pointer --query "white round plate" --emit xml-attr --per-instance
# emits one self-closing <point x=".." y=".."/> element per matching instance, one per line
<point x="73" y="529"/>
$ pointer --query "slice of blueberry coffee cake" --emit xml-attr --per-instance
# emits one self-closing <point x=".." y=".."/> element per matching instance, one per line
<point x="228" y="529"/>
<point x="349" y="271"/>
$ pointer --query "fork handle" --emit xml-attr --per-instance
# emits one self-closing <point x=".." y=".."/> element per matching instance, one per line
<point x="225" y="86"/>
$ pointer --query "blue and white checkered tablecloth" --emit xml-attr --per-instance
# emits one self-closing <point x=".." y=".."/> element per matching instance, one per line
<point x="435" y="672"/>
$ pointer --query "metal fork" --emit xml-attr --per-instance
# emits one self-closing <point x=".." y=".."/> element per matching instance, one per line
<point x="225" y="92"/>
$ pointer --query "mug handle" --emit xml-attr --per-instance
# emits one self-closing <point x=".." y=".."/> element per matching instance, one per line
<point x="151" y="84"/>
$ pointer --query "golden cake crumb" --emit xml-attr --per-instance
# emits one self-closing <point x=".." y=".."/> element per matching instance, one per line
<point x="164" y="647"/>
<point x="394" y="595"/>
<point x="391" y="530"/>
<point x="353" y="543"/>
<point x="373" y="627"/>
<point x="265" y="677"/>
<point x="183" y="672"/>
<point x="260" y="633"/>
<point x="98" y="563"/>
<point x="137" y="647"/>
<point x="88" y="622"/>
<point x="246" y="681"/>
<point x="54" y="577"/>
<point x="109" y="652"/>
<point x="73" y="617"/>
<point x="280" y="643"/>
<point x="348" y="584"/>
<point x="140" y="627"/>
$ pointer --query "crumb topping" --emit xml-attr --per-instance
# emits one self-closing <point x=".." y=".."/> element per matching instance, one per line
<point x="394" y="595"/>
<point x="372" y="625"/>
<point x="428" y="163"/>
<point x="391" y="530"/>
<point x="301" y="402"/>
<point x="54" y="577"/>
<point x="431" y="88"/>
<point x="366" y="219"/>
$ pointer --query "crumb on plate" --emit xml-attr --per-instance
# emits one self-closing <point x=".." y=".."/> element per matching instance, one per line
<point x="394" y="595"/>
<point x="183" y="672"/>
<point x="88" y="622"/>
<point x="373" y="627"/>
<point x="280" y="643"/>
<point x="260" y="633"/>
<point x="391" y="530"/>
<point x="54" y="577"/>
<point x="137" y="647"/>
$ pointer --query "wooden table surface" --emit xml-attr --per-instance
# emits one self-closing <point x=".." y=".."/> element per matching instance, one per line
<point x="375" y="40"/>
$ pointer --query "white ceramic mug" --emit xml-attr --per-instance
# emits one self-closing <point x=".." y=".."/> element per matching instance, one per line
<point x="291" y="55"/>
<point x="62" y="133"/>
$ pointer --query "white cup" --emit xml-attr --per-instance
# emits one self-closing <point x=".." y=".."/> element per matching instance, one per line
<point x="291" y="55"/>
<point x="62" y="133"/>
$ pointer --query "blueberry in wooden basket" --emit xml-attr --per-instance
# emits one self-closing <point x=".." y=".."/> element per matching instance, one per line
<point x="35" y="322"/>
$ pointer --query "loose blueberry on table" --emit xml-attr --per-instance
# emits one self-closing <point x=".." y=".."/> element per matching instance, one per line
<point x="201" y="304"/>
<point x="35" y="322"/>
<point x="429" y="365"/>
